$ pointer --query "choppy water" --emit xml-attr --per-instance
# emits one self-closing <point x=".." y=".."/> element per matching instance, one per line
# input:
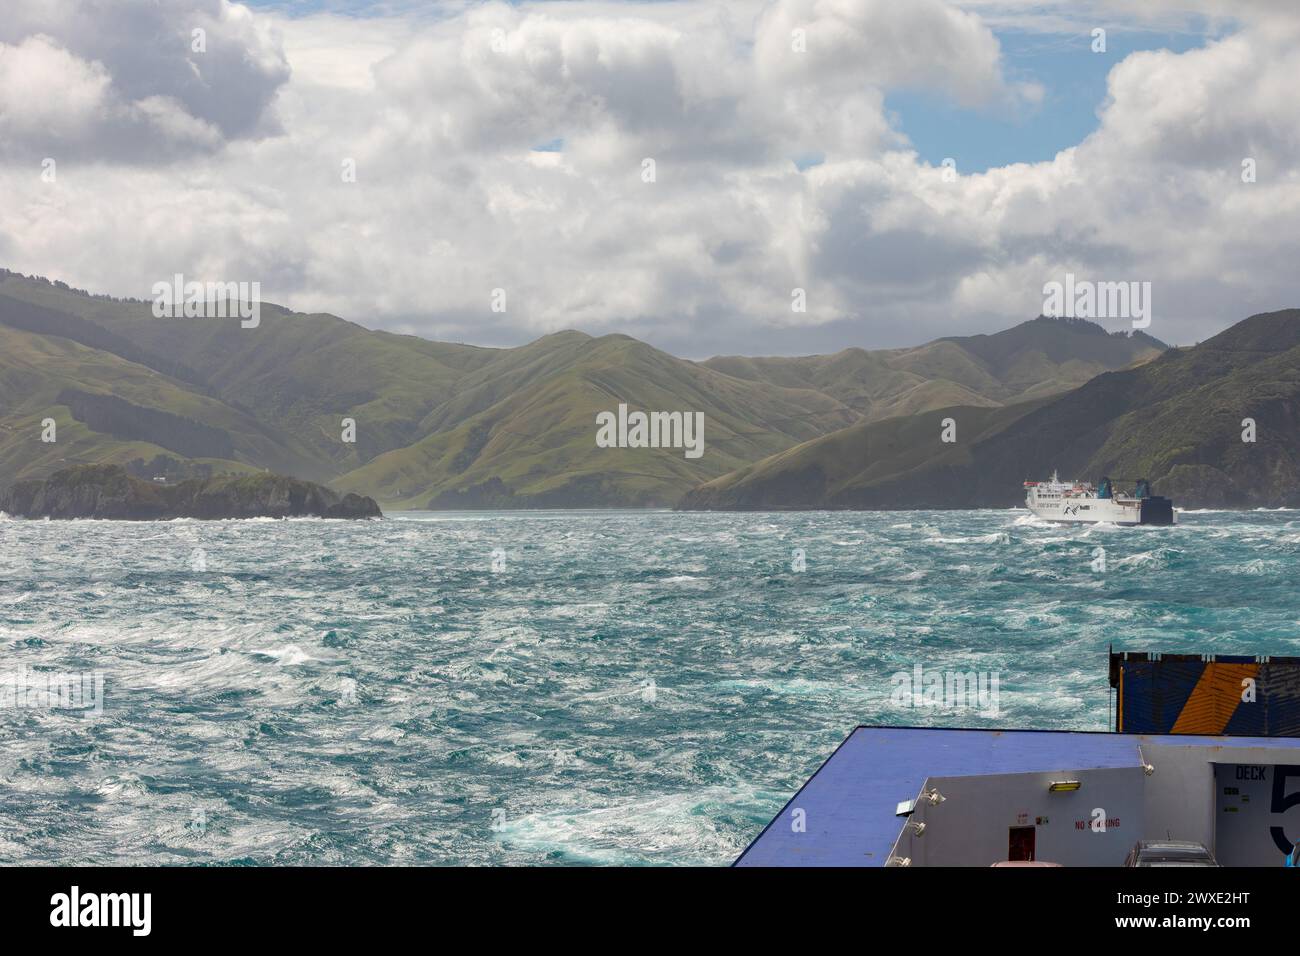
<point x="628" y="688"/>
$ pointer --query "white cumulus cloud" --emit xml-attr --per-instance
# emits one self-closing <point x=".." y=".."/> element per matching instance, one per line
<point x="501" y="146"/>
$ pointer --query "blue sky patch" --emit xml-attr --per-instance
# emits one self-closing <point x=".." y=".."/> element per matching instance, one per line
<point x="1074" y="81"/>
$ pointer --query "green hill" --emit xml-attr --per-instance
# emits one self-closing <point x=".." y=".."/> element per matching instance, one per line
<point x="1176" y="420"/>
<point x="536" y="445"/>
<point x="457" y="426"/>
<point x="298" y="374"/>
<point x="35" y="374"/>
<point x="1037" y="358"/>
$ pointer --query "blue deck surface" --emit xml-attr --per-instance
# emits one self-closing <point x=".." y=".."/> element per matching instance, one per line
<point x="850" y="802"/>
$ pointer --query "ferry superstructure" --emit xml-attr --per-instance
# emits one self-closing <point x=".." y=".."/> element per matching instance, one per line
<point x="1080" y="502"/>
<point x="1190" y="760"/>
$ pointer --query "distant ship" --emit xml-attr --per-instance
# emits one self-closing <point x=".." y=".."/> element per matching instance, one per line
<point x="1079" y="501"/>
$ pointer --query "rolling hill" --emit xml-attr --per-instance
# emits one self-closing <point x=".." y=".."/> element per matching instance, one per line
<point x="1177" y="420"/>
<point x="1031" y="360"/>
<point x="536" y="445"/>
<point x="448" y="425"/>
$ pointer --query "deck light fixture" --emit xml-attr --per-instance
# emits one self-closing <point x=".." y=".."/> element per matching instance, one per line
<point x="1064" y="786"/>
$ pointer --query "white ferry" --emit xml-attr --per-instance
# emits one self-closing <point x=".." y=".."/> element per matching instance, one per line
<point x="1079" y="501"/>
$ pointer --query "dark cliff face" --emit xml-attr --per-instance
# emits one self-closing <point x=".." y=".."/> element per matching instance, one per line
<point x="107" y="491"/>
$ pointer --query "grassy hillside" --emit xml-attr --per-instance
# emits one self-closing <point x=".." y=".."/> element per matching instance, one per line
<point x="302" y="374"/>
<point x="1175" y="420"/>
<point x="536" y="445"/>
<point x="34" y="374"/>
<point x="449" y="425"/>
<point x="1033" y="359"/>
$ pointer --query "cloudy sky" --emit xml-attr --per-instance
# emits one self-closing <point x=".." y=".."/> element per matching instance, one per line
<point x="795" y="144"/>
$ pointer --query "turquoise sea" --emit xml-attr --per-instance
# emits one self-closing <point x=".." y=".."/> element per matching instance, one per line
<point x="554" y="687"/>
